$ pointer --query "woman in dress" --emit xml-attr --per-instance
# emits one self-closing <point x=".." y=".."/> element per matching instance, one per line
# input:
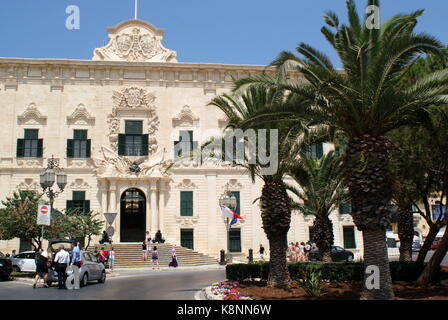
<point x="173" y="262"/>
<point x="155" y="257"/>
<point x="41" y="267"/>
<point x="144" y="251"/>
<point x="292" y="250"/>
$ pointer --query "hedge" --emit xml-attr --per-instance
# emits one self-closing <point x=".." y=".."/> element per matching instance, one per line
<point x="333" y="271"/>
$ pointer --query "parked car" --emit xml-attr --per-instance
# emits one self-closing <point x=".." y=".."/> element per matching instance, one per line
<point x="338" y="254"/>
<point x="5" y="267"/>
<point x="90" y="270"/>
<point x="24" y="262"/>
<point x="435" y="243"/>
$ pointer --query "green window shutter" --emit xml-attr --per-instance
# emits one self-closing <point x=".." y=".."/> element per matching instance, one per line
<point x="145" y="145"/>
<point x="320" y="150"/>
<point x="69" y="148"/>
<point x="69" y="205"/>
<point x="235" y="240"/>
<point x="121" y="144"/>
<point x="88" y="148"/>
<point x="40" y="147"/>
<point x="187" y="238"/>
<point x="86" y="206"/>
<point x="186" y="203"/>
<point x="20" y="148"/>
<point x="349" y="237"/>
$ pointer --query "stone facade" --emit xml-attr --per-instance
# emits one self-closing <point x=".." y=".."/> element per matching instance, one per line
<point x="133" y="78"/>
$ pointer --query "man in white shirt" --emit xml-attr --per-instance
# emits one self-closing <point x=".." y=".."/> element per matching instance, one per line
<point x="62" y="259"/>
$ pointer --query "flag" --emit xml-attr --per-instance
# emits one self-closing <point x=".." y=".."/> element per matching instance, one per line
<point x="232" y="215"/>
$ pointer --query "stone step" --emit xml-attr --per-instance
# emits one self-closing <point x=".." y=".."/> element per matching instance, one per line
<point x="129" y="255"/>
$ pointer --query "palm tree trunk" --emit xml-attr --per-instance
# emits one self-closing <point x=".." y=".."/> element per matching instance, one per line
<point x="405" y="233"/>
<point x="323" y="233"/>
<point x="369" y="180"/>
<point x="375" y="254"/>
<point x="433" y="230"/>
<point x="276" y="217"/>
<point x="433" y="266"/>
<point x="278" y="268"/>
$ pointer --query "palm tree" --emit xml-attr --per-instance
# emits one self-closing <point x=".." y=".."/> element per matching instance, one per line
<point x="274" y="200"/>
<point x="365" y="101"/>
<point x="319" y="193"/>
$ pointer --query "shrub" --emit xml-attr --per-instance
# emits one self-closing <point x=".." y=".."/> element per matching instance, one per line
<point x="332" y="272"/>
<point x="311" y="282"/>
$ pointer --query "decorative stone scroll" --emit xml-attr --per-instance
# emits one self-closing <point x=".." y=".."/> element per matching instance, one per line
<point x="80" y="116"/>
<point x="185" y="118"/>
<point x="28" y="184"/>
<point x="32" y="115"/>
<point x="135" y="41"/>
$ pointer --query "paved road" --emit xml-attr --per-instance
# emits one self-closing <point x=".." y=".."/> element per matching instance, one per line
<point x="149" y="285"/>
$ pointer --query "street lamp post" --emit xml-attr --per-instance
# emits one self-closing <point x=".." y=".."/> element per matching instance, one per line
<point x="47" y="179"/>
<point x="228" y="200"/>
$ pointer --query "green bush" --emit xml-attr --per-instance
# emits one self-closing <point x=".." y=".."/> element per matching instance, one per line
<point x="333" y="271"/>
<point x="312" y="282"/>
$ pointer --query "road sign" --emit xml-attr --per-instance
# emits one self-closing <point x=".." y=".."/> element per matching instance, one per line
<point x="110" y="231"/>
<point x="110" y="217"/>
<point x="44" y="214"/>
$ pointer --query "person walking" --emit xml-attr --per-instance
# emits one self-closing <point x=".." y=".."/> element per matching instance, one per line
<point x="111" y="258"/>
<point x="173" y="262"/>
<point x="62" y="259"/>
<point x="144" y="251"/>
<point x="307" y="250"/>
<point x="261" y="252"/>
<point x="155" y="257"/>
<point x="292" y="252"/>
<point x="41" y="268"/>
<point x="76" y="254"/>
<point x="13" y="253"/>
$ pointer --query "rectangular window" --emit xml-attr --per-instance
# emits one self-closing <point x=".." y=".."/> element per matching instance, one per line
<point x="316" y="151"/>
<point x="349" y="237"/>
<point x="186" y="238"/>
<point x="236" y="194"/>
<point x="345" y="208"/>
<point x="186" y="203"/>
<point x="79" y="202"/>
<point x="79" y="146"/>
<point x="235" y="240"/>
<point x="133" y="127"/>
<point x="133" y="142"/>
<point x="312" y="234"/>
<point x="31" y="145"/>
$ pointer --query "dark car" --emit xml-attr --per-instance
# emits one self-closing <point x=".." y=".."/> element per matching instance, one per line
<point x="338" y="254"/>
<point x="5" y="267"/>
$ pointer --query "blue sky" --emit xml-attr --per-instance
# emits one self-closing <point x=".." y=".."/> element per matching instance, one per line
<point x="228" y="31"/>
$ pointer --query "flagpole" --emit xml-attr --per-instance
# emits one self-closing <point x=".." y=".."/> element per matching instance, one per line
<point x="136" y="9"/>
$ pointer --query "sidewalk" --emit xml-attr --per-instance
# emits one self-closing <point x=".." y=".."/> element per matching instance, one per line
<point x="180" y="268"/>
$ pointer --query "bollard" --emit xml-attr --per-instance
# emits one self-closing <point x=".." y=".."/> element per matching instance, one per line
<point x="251" y="256"/>
<point x="222" y="257"/>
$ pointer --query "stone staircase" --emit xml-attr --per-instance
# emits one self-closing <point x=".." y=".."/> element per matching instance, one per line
<point x="129" y="255"/>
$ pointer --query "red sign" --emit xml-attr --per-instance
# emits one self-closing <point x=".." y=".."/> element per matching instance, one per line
<point x="44" y="210"/>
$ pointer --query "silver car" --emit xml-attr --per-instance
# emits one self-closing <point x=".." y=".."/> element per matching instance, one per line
<point x="91" y="270"/>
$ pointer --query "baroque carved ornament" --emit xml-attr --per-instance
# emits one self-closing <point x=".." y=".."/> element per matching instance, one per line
<point x="135" y="41"/>
<point x="80" y="116"/>
<point x="185" y="118"/>
<point x="133" y="99"/>
<point x="32" y="115"/>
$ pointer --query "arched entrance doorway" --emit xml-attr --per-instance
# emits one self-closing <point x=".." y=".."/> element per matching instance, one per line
<point x="132" y="216"/>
